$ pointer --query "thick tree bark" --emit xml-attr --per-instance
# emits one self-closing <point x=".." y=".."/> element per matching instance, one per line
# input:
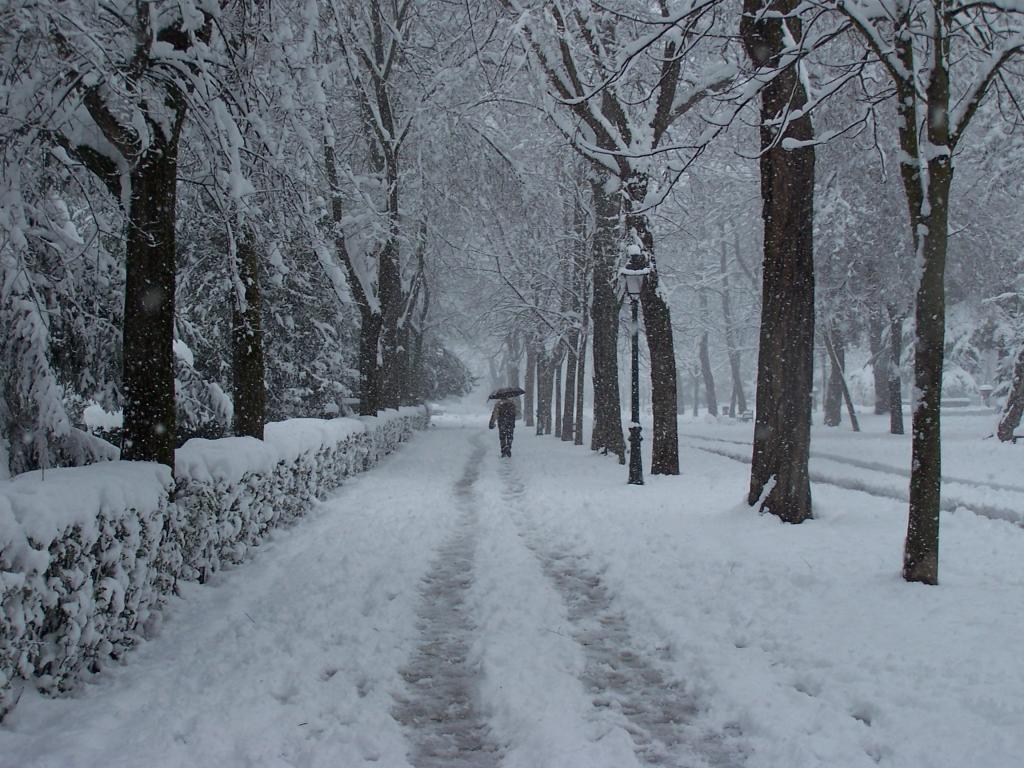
<point x="779" y="476"/>
<point x="836" y="351"/>
<point x="369" y="368"/>
<point x="894" y="384"/>
<point x="394" y="363"/>
<point x="658" y="330"/>
<point x="921" y="549"/>
<point x="249" y="388"/>
<point x="1014" y="408"/>
<point x="921" y="552"/>
<point x="879" y="361"/>
<point x="148" y="332"/>
<point x="606" y="435"/>
<point x="661" y="352"/>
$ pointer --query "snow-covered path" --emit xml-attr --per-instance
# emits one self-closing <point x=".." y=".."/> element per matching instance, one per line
<point x="655" y="710"/>
<point x="453" y="609"/>
<point x="440" y="707"/>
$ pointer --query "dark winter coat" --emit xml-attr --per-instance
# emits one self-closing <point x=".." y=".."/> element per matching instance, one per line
<point x="504" y="415"/>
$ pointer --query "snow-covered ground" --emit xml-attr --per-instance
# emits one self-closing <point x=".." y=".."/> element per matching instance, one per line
<point x="451" y="608"/>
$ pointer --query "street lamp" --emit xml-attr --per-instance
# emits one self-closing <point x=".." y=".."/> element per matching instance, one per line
<point x="633" y="275"/>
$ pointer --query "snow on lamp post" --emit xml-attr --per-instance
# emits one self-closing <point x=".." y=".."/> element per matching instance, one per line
<point x="633" y="276"/>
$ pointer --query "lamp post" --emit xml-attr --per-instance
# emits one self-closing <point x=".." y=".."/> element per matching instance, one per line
<point x="633" y="275"/>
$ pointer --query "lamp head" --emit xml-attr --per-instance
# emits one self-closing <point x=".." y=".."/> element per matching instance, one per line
<point x="635" y="272"/>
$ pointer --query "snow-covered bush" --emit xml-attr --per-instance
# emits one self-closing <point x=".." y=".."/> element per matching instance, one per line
<point x="81" y="555"/>
<point x="956" y="382"/>
<point x="87" y="554"/>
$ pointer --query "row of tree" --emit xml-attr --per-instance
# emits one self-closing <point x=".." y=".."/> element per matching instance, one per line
<point x="617" y="82"/>
<point x="208" y="197"/>
<point x="220" y="212"/>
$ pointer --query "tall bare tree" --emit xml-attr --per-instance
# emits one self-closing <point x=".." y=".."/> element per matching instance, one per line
<point x="942" y="58"/>
<point x="779" y="477"/>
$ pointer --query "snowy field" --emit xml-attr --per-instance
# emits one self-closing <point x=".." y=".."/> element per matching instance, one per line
<point x="453" y="609"/>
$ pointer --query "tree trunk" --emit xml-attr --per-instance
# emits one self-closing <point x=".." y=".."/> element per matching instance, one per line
<point x="370" y="319"/>
<point x="529" y="384"/>
<point x="779" y="477"/>
<point x="695" y="379"/>
<point x="660" y="345"/>
<point x="823" y="365"/>
<point x="369" y="365"/>
<point x="710" y="396"/>
<point x="557" y="384"/>
<point x="569" y="404"/>
<point x="417" y="330"/>
<point x="1014" y="408"/>
<point x="606" y="435"/>
<point x="550" y="379"/>
<point x="545" y="389"/>
<point x="513" y="355"/>
<point x="661" y="351"/>
<point x="581" y="372"/>
<point x="416" y="387"/>
<point x="836" y="351"/>
<point x="731" y="344"/>
<point x="921" y="550"/>
<point x="539" y="421"/>
<point x="148" y="331"/>
<point x="839" y="365"/>
<point x="249" y="388"/>
<point x="879" y="361"/>
<point x="392" y="301"/>
<point x="893" y="372"/>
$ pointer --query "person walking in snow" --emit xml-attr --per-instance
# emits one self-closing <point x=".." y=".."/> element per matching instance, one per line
<point x="504" y="416"/>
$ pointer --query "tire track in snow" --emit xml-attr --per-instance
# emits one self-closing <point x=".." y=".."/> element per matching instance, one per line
<point x="439" y="709"/>
<point x="874" y="466"/>
<point x="657" y="710"/>
<point x="948" y="503"/>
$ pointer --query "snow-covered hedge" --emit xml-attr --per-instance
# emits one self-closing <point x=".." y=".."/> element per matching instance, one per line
<point x="88" y="554"/>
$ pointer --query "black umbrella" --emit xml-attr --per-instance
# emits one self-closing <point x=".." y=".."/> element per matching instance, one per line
<point x="505" y="392"/>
